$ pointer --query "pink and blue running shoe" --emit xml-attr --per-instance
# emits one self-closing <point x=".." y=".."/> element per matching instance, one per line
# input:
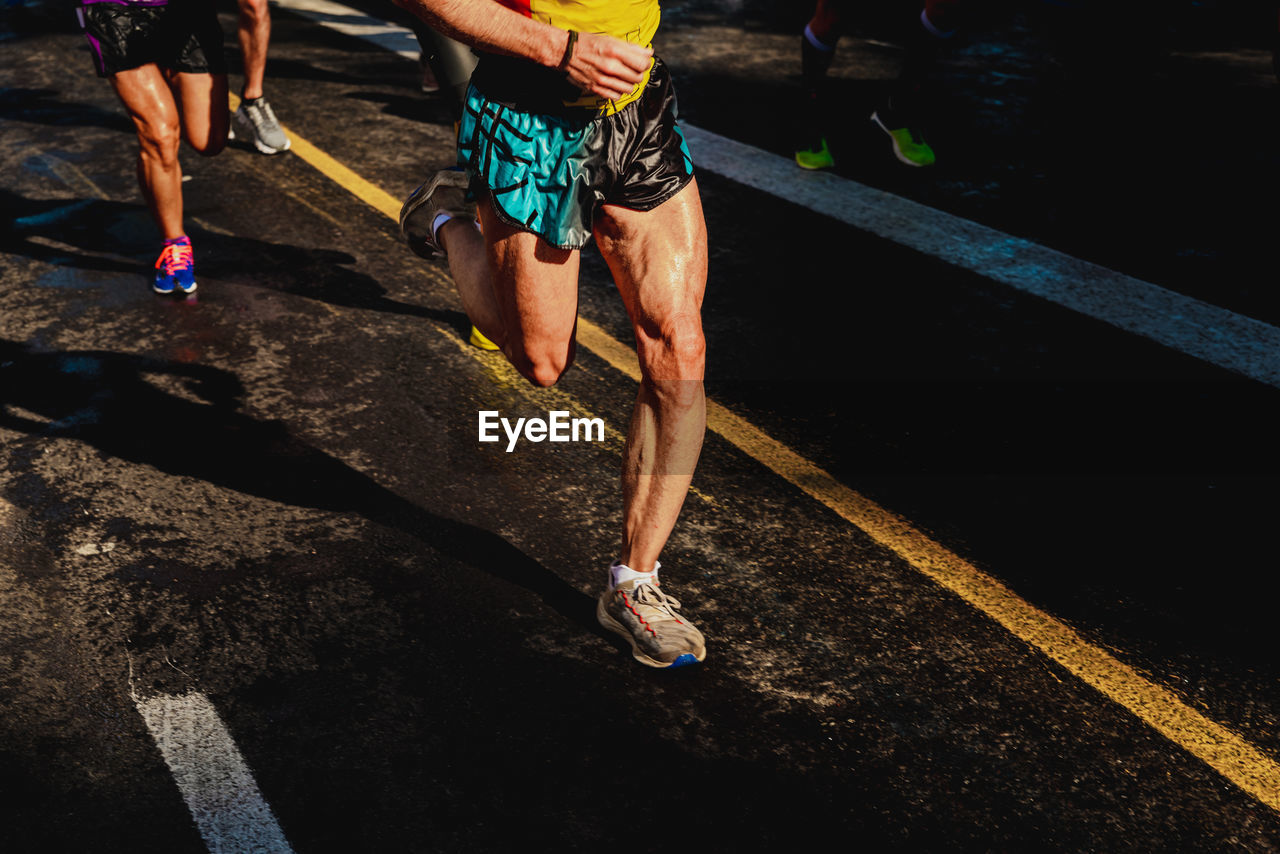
<point x="176" y="267"/>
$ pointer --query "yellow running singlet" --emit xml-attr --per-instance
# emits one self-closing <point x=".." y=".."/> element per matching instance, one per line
<point x="634" y="21"/>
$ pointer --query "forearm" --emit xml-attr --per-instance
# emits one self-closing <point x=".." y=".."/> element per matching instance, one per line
<point x="492" y="27"/>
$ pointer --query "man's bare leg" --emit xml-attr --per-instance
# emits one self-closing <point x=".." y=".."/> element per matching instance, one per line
<point x="255" y="119"/>
<point x="146" y="95"/>
<point x="522" y="294"/>
<point x="659" y="262"/>
<point x="519" y="291"/>
<point x="202" y="99"/>
<point x="254" y="34"/>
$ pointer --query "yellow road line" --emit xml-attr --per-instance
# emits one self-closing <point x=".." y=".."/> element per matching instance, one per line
<point x="369" y="193"/>
<point x="1221" y="749"/>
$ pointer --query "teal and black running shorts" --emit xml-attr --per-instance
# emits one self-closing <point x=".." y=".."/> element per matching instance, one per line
<point x="547" y="169"/>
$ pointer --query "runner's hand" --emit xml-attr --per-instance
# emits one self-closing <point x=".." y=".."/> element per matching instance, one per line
<point x="608" y="67"/>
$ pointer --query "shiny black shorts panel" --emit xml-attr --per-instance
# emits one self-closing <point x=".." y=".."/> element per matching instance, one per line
<point x="183" y="36"/>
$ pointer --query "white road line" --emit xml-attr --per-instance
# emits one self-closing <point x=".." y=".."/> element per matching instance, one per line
<point x="1196" y="328"/>
<point x="217" y="785"/>
<point x="1214" y="335"/>
<point x="353" y="22"/>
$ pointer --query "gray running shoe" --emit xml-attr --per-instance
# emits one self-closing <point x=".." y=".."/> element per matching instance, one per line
<point x="257" y="123"/>
<point x="644" y="615"/>
<point x="446" y="192"/>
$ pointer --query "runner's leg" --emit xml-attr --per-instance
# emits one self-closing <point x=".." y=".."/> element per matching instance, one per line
<point x="203" y="107"/>
<point x="521" y="292"/>
<point x="659" y="262"/>
<point x="254" y="33"/>
<point x="817" y="50"/>
<point x="146" y="95"/>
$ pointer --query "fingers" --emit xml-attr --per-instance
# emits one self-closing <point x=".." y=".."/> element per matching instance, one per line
<point x="608" y="67"/>
<point x="612" y="88"/>
<point x="632" y="56"/>
<point x="611" y="80"/>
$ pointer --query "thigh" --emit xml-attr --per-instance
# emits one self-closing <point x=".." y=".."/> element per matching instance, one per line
<point x="203" y="99"/>
<point x="659" y="262"/>
<point x="536" y="285"/>
<point x="145" y="93"/>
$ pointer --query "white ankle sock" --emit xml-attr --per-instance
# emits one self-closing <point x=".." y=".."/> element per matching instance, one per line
<point x="620" y="573"/>
<point x="441" y="219"/>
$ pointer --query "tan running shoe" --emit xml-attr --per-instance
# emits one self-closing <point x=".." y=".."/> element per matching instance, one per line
<point x="644" y="615"/>
<point x="446" y="192"/>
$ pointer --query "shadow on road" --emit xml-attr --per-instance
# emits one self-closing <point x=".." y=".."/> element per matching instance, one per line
<point x="109" y="400"/>
<point x="108" y="235"/>
<point x="474" y="758"/>
<point x="43" y="106"/>
<point x="430" y="109"/>
<point x="71" y="224"/>
<point x="325" y="275"/>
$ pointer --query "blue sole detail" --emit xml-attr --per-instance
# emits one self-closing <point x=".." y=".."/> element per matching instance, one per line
<point x="681" y="661"/>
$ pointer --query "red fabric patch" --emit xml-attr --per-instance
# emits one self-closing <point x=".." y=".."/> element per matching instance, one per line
<point x="521" y="6"/>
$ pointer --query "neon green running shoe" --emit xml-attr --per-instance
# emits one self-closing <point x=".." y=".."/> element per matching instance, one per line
<point x="817" y="157"/>
<point x="908" y="145"/>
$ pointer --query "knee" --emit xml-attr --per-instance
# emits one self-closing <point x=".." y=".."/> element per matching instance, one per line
<point x="160" y="141"/>
<point x="211" y="146"/>
<point x="677" y="352"/>
<point x="254" y="10"/>
<point x="543" y="368"/>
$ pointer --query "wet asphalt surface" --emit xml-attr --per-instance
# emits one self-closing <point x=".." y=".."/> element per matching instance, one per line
<point x="271" y="493"/>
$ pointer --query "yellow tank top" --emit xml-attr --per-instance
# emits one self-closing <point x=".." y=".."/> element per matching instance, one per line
<point x="634" y="21"/>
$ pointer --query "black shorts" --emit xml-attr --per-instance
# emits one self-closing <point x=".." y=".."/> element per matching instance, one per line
<point x="183" y="35"/>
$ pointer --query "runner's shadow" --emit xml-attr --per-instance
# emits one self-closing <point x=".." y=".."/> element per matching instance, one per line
<point x="430" y="109"/>
<point x="42" y="106"/>
<point x="326" y="275"/>
<point x="115" y="403"/>
<point x="108" y="233"/>
<point x="281" y="68"/>
<point x="104" y="230"/>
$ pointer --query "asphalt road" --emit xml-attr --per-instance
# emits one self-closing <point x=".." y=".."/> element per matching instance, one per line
<point x="250" y="548"/>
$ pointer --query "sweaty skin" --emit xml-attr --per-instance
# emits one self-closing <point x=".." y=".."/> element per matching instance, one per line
<point x="254" y="34"/>
<point x="151" y="95"/>
<point x="521" y="292"/>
